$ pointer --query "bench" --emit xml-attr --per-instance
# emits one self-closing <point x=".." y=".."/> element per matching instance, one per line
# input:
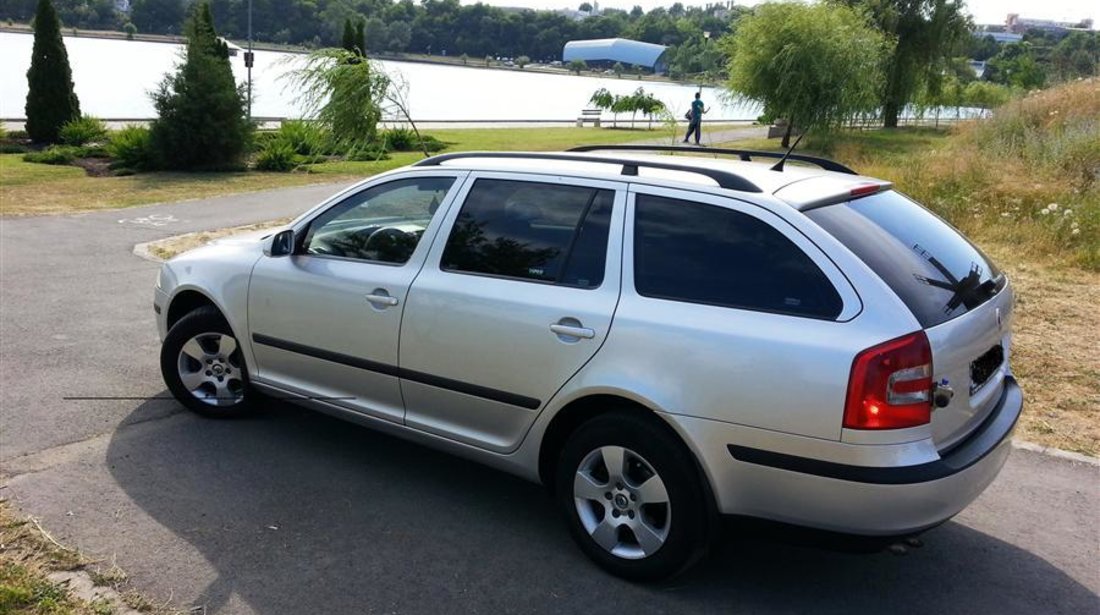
<point x="589" y="115"/>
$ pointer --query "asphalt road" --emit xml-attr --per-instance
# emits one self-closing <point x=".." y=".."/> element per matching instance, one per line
<point x="294" y="512"/>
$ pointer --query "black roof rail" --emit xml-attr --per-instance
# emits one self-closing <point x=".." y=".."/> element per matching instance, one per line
<point x="725" y="179"/>
<point x="745" y="154"/>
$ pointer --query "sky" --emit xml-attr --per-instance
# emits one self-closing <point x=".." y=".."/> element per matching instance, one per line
<point x="984" y="11"/>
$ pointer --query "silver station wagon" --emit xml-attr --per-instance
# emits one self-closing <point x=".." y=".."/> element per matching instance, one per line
<point x="659" y="339"/>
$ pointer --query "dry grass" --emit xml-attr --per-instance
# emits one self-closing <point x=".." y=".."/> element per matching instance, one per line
<point x="167" y="248"/>
<point x="32" y="189"/>
<point x="1055" y="350"/>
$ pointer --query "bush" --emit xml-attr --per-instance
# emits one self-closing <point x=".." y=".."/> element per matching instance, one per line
<point x="405" y="140"/>
<point x="130" y="148"/>
<point x="86" y="129"/>
<point x="277" y="156"/>
<point x="305" y="138"/>
<point x="12" y="148"/>
<point x="367" y="152"/>
<point x="55" y="154"/>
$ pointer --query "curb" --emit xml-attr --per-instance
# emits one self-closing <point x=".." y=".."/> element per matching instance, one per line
<point x="142" y="250"/>
<point x="1055" y="452"/>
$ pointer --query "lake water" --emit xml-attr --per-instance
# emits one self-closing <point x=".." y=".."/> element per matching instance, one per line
<point x="113" y="78"/>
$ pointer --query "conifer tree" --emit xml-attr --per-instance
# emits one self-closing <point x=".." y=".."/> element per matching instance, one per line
<point x="51" y="101"/>
<point x="202" y="122"/>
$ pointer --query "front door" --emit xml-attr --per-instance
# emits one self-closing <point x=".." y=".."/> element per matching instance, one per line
<point x="511" y="302"/>
<point x="324" y="321"/>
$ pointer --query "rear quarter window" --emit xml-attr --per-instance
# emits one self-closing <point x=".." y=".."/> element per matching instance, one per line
<point x="932" y="268"/>
<point x="698" y="253"/>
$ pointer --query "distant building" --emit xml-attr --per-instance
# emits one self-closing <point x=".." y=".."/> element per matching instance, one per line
<point x="608" y="51"/>
<point x="1019" y="25"/>
<point x="1002" y="37"/>
<point x="978" y="67"/>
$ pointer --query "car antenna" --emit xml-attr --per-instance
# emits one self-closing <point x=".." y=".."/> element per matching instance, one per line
<point x="779" y="165"/>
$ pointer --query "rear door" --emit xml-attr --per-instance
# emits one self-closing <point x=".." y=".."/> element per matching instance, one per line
<point x="516" y="295"/>
<point x="954" y="290"/>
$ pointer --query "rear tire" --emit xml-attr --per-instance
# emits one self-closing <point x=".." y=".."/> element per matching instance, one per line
<point x="647" y="521"/>
<point x="202" y="364"/>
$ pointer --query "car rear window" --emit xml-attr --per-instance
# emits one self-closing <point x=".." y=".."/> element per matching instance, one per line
<point x="699" y="253"/>
<point x="936" y="271"/>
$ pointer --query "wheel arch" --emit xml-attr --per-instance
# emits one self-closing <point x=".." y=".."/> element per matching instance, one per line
<point x="582" y="409"/>
<point x="186" y="301"/>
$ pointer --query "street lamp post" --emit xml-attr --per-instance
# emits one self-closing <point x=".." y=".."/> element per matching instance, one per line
<point x="706" y="42"/>
<point x="248" y="57"/>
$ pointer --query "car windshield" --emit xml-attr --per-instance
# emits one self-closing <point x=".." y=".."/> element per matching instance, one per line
<point x="936" y="271"/>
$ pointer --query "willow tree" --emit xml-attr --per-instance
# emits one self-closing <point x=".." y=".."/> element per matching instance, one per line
<point x="928" y="34"/>
<point x="344" y="92"/>
<point x="814" y="65"/>
<point x="51" y="101"/>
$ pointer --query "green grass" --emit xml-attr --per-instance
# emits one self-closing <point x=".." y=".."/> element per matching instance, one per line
<point x="27" y="188"/>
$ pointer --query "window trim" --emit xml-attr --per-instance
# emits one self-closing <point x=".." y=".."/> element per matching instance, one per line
<point x="618" y="201"/>
<point x="303" y="223"/>
<point x="851" y="305"/>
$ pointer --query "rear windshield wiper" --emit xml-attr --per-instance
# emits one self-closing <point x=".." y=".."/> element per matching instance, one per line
<point x="970" y="291"/>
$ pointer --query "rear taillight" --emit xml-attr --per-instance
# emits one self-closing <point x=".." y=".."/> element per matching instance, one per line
<point x="890" y="386"/>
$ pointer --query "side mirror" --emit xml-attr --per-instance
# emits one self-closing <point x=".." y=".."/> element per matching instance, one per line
<point x="281" y="244"/>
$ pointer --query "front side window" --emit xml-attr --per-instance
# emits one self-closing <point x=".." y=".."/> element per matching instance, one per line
<point x="532" y="231"/>
<point x="383" y="223"/>
<point x="687" y="251"/>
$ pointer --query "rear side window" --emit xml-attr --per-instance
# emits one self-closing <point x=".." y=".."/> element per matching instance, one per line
<point x="931" y="266"/>
<point x="699" y="253"/>
<point x="532" y="231"/>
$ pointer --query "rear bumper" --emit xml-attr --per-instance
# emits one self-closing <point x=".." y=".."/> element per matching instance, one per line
<point x="865" y="499"/>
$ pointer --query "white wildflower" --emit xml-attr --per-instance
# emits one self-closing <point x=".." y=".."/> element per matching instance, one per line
<point x="1053" y="206"/>
<point x="1075" y="231"/>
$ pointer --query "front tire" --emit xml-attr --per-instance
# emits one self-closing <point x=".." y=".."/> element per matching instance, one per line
<point x="632" y="497"/>
<point x="202" y="364"/>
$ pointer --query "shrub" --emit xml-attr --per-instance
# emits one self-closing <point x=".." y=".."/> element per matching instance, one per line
<point x="367" y="152"/>
<point x="130" y="148"/>
<point x="405" y="140"/>
<point x="305" y="138"/>
<point x="54" y="154"/>
<point x="12" y="148"/>
<point x="277" y="156"/>
<point x="86" y="129"/>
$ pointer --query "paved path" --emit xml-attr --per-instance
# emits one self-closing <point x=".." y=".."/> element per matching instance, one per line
<point x="294" y="512"/>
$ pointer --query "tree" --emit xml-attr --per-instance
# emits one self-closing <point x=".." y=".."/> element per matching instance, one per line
<point x="347" y="41"/>
<point x="201" y="123"/>
<point x="928" y="33"/>
<point x="51" y="101"/>
<point x="375" y="34"/>
<point x="345" y="93"/>
<point x="814" y="65"/>
<point x="162" y="16"/>
<point x="130" y="29"/>
<point x="1016" y="66"/>
<point x="400" y="35"/>
<point x="361" y="38"/>
<point x="618" y="68"/>
<point x="1077" y="55"/>
<point x="577" y="66"/>
<point x="585" y="7"/>
<point x="488" y="61"/>
<point x="522" y="61"/>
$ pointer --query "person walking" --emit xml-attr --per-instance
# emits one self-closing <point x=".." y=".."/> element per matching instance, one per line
<point x="695" y="118"/>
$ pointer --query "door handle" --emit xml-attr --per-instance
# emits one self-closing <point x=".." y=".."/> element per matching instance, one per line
<point x="571" y="331"/>
<point x="382" y="299"/>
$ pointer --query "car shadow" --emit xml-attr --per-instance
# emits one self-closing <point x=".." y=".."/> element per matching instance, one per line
<point x="301" y="513"/>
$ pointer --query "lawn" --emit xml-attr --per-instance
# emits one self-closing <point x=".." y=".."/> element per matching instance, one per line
<point x="29" y="189"/>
